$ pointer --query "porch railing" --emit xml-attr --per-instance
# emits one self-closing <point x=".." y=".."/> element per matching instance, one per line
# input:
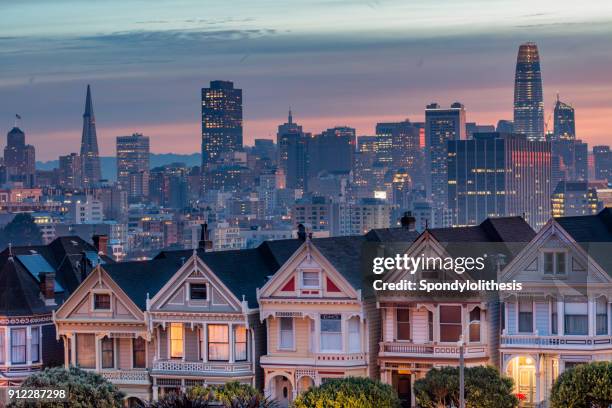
<point x="555" y="342"/>
<point x="200" y="366"/>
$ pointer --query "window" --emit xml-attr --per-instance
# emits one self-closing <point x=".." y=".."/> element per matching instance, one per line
<point x="354" y="335"/>
<point x="197" y="291"/>
<point x="176" y="340"/>
<point x="576" y="318"/>
<point x="554" y="263"/>
<point x="525" y="316"/>
<point x="430" y="325"/>
<point x="240" y="343"/>
<point x="102" y="301"/>
<point x="554" y="318"/>
<point x="310" y="279"/>
<point x="475" y="325"/>
<point x="331" y="332"/>
<point x="602" y="316"/>
<point x="18" y="346"/>
<point x="450" y="323"/>
<point x="85" y="350"/>
<point x="403" y="324"/>
<point x="35" y="345"/>
<point x="139" y="353"/>
<point x="218" y="342"/>
<point x="108" y="355"/>
<point x="286" y="333"/>
<point x="1" y="345"/>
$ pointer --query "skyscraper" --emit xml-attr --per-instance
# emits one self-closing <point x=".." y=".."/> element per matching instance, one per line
<point x="19" y="158"/>
<point x="221" y="120"/>
<point x="90" y="159"/>
<point x="133" y="165"/>
<point x="405" y="147"/>
<point x="292" y="152"/>
<point x="565" y="128"/>
<point x="528" y="98"/>
<point x="497" y="175"/>
<point x="332" y="151"/>
<point x="70" y="169"/>
<point x="441" y="125"/>
<point x="603" y="162"/>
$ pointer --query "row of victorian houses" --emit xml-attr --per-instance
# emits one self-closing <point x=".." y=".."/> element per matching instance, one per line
<point x="291" y="314"/>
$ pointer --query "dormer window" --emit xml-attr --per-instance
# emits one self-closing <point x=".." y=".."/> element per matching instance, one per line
<point x="197" y="291"/>
<point x="310" y="279"/>
<point x="555" y="262"/>
<point x="102" y="301"/>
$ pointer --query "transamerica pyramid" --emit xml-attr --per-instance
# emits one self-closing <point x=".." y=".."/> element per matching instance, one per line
<point x="89" y="145"/>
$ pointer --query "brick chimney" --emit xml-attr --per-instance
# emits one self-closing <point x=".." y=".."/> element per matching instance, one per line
<point x="408" y="221"/>
<point x="47" y="287"/>
<point x="101" y="243"/>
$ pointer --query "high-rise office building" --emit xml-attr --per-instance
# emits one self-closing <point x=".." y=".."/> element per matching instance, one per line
<point x="332" y="151"/>
<point x="441" y="125"/>
<point x="70" y="171"/>
<point x="293" y="153"/>
<point x="603" y="162"/>
<point x="221" y="120"/>
<point x="90" y="159"/>
<point x="581" y="161"/>
<point x="496" y="175"/>
<point x="565" y="127"/>
<point x="528" y="96"/>
<point x="19" y="158"/>
<point x="406" y="151"/>
<point x="133" y="165"/>
<point x="574" y="198"/>
<point x="504" y="126"/>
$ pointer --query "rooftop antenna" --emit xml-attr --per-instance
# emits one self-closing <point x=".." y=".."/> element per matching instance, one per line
<point x="17" y="120"/>
<point x="10" y="248"/>
<point x="290" y="118"/>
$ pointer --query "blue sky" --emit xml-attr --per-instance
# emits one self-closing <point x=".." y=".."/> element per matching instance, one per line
<point x="334" y="62"/>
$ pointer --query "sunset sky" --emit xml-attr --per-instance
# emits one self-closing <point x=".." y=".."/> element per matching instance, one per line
<point x="335" y="62"/>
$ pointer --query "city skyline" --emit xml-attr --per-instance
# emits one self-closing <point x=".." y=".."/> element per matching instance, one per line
<point x="286" y="62"/>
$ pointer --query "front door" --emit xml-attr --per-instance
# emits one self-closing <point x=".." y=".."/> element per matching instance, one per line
<point x="404" y="389"/>
<point x="527" y="383"/>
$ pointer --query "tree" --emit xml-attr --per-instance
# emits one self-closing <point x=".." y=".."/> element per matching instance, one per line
<point x="353" y="392"/>
<point x="20" y="231"/>
<point x="584" y="386"/>
<point x="484" y="388"/>
<point x="85" y="389"/>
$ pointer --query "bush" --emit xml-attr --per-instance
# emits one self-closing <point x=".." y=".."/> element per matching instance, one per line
<point x="85" y="389"/>
<point x="231" y="395"/>
<point x="585" y="386"/>
<point x="354" y="392"/>
<point x="484" y="388"/>
<point x="173" y="400"/>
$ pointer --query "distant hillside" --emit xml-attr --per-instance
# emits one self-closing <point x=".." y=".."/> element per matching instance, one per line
<point x="109" y="164"/>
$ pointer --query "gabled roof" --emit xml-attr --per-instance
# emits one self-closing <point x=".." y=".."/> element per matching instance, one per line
<point x="19" y="291"/>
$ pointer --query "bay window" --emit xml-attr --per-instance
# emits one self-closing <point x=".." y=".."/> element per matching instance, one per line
<point x="139" y="354"/>
<point x="286" y="333"/>
<point x="331" y="332"/>
<point x="35" y="345"/>
<point x="450" y="323"/>
<point x="525" y="316"/>
<point x="402" y="317"/>
<point x="85" y="350"/>
<point x="176" y="340"/>
<point x="602" y="316"/>
<point x="18" y="346"/>
<point x="218" y="342"/>
<point x="240" y="343"/>
<point x="475" y="325"/>
<point x="576" y="318"/>
<point x="354" y="335"/>
<point x="108" y="352"/>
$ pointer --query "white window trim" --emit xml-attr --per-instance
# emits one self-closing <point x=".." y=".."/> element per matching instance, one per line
<point x="342" y="335"/>
<point x="169" y="341"/>
<point x="198" y="301"/>
<point x="279" y="344"/>
<point x="463" y="328"/>
<point x="555" y="251"/>
<point x="319" y="276"/>
<point x="95" y="292"/>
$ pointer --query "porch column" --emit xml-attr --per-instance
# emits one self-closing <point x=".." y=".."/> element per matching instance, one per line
<point x="317" y="333"/>
<point x="29" y="345"/>
<point x="7" y="346"/>
<point x="204" y="350"/>
<point x="232" y="357"/>
<point x="73" y="349"/>
<point x="538" y="379"/>
<point x="66" y="352"/>
<point x="345" y="334"/>
<point x="560" y="317"/>
<point x="591" y="316"/>
<point x="412" y="396"/>
<point x="155" y="393"/>
<point x="436" y="323"/>
<point x="97" y="350"/>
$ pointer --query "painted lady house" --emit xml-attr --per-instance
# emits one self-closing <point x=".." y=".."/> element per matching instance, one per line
<point x="561" y="318"/>
<point x="421" y="330"/>
<point x="34" y="280"/>
<point x="185" y="318"/>
<point x="318" y="321"/>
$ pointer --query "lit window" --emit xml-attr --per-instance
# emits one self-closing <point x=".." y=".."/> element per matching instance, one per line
<point x="85" y="350"/>
<point x="240" y="343"/>
<point x="176" y="340"/>
<point x="475" y="325"/>
<point x="218" y="342"/>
